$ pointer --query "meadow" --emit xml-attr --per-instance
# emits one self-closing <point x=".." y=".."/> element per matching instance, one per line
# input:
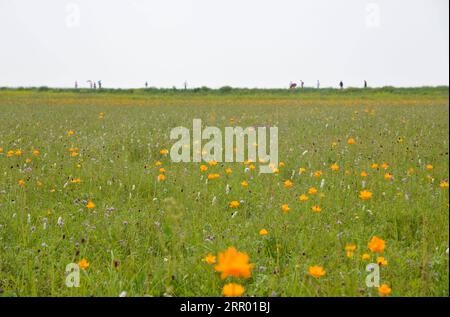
<point x="86" y="179"/>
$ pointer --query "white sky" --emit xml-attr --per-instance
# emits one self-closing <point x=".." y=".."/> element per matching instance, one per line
<point x="244" y="43"/>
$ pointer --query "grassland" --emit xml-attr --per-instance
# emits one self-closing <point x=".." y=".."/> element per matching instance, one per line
<point x="150" y="237"/>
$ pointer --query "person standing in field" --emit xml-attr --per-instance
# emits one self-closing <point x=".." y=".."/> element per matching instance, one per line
<point x="76" y="84"/>
<point x="146" y="84"/>
<point x="302" y="83"/>
<point x="318" y="84"/>
<point x="99" y="84"/>
<point x="365" y="83"/>
<point x="341" y="85"/>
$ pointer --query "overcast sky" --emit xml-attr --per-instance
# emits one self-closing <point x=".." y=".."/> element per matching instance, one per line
<point x="245" y="43"/>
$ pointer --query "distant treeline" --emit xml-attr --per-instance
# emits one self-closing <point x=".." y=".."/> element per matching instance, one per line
<point x="242" y="91"/>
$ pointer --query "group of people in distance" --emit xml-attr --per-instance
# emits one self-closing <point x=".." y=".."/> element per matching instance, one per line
<point x="92" y="84"/>
<point x="293" y="85"/>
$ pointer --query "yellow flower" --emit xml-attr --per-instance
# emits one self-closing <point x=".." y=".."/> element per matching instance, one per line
<point x="316" y="208"/>
<point x="429" y="167"/>
<point x="70" y="132"/>
<point x="10" y="153"/>
<point x="288" y="184"/>
<point x="162" y="170"/>
<point x="312" y="191"/>
<point x="443" y="184"/>
<point x="36" y="152"/>
<point x="1" y="150"/>
<point x="161" y="177"/>
<point x="228" y="171"/>
<point x="285" y="208"/>
<point x="84" y="264"/>
<point x="301" y="170"/>
<point x="385" y="166"/>
<point x="365" y="194"/>
<point x="275" y="170"/>
<point x="252" y="167"/>
<point x="203" y="168"/>
<point x="388" y="176"/>
<point x="363" y="174"/>
<point x="233" y="263"/>
<point x="263" y="232"/>
<point x="212" y="163"/>
<point x="164" y="152"/>
<point x="384" y="290"/>
<point x="213" y="176"/>
<point x="318" y="174"/>
<point x="28" y="160"/>
<point x="382" y="261"/>
<point x="350" y="247"/>
<point x="351" y="141"/>
<point x="303" y="197"/>
<point x="21" y="183"/>
<point x="334" y="167"/>
<point x="244" y="183"/>
<point x="75" y="180"/>
<point x="374" y="166"/>
<point x="281" y="164"/>
<point x="234" y="204"/>
<point x="365" y="257"/>
<point x="316" y="271"/>
<point x="158" y="163"/>
<point x="210" y="259"/>
<point x="376" y="245"/>
<point x="90" y="205"/>
<point x="18" y="153"/>
<point x="233" y="290"/>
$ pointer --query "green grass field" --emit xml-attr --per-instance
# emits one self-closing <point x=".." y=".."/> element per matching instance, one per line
<point x="150" y="238"/>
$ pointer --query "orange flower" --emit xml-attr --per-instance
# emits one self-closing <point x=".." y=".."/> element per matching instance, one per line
<point x="382" y="261"/>
<point x="388" y="176"/>
<point x="363" y="174"/>
<point x="36" y="152"/>
<point x="365" y="194"/>
<point x="429" y="167"/>
<point x="281" y="164"/>
<point x="317" y="174"/>
<point x="233" y="263"/>
<point x="1" y="150"/>
<point x="351" y="141"/>
<point x="228" y="171"/>
<point x="75" y="180"/>
<point x="10" y="153"/>
<point x="285" y="208"/>
<point x="288" y="184"/>
<point x="443" y="184"/>
<point x="162" y="170"/>
<point x="334" y="167"/>
<point x="312" y="191"/>
<point x="18" y="153"/>
<point x="385" y="166"/>
<point x="164" y="152"/>
<point x="21" y="183"/>
<point x="303" y="197"/>
<point x="263" y="232"/>
<point x="374" y="166"/>
<point x="90" y="205"/>
<point x="203" y="168"/>
<point x="233" y="290"/>
<point x="376" y="245"/>
<point x="234" y="204"/>
<point x="84" y="264"/>
<point x="161" y="177"/>
<point x="213" y="176"/>
<point x="244" y="184"/>
<point x="365" y="257"/>
<point x="316" y="271"/>
<point x="316" y="208"/>
<point x="210" y="259"/>
<point x="212" y="163"/>
<point x="384" y="290"/>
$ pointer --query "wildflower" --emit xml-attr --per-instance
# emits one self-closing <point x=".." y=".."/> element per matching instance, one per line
<point x="351" y="141"/>
<point x="161" y="177"/>
<point x="281" y="164"/>
<point x="158" y="163"/>
<point x="301" y="170"/>
<point x="376" y="245"/>
<point x="234" y="204"/>
<point x="350" y="248"/>
<point x="384" y="290"/>
<point x="233" y="263"/>
<point x="36" y="152"/>
<point x="244" y="183"/>
<point x="164" y="152"/>
<point x="162" y="170"/>
<point x="84" y="264"/>
<point x="388" y="176"/>
<point x="1" y="149"/>
<point x="312" y="191"/>
<point x="212" y="163"/>
<point x="251" y="167"/>
<point x="21" y="183"/>
<point x="28" y="160"/>
<point x="210" y="259"/>
<point x="75" y="180"/>
<point x="288" y="184"/>
<point x="213" y="176"/>
<point x="303" y="197"/>
<point x="334" y="167"/>
<point x="363" y="174"/>
<point x="18" y="153"/>
<point x="203" y="168"/>
<point x="70" y="132"/>
<point x="317" y="174"/>
<point x="365" y="194"/>
<point x="285" y="208"/>
<point x="365" y="257"/>
<point x="385" y="166"/>
<point x="443" y="184"/>
<point x="90" y="205"/>
<point x="233" y="290"/>
<point x="10" y="153"/>
<point x="263" y="232"/>
<point x="316" y="208"/>
<point x="374" y="166"/>
<point x="275" y="170"/>
<point x="429" y="167"/>
<point x="228" y="170"/>
<point x="316" y="271"/>
<point x="382" y="261"/>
